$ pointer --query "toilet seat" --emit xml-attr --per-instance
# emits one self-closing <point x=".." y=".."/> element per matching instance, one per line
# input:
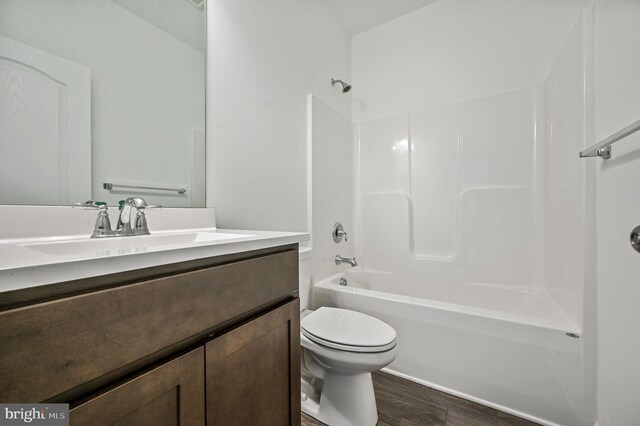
<point x="348" y="348"/>
<point x="347" y="330"/>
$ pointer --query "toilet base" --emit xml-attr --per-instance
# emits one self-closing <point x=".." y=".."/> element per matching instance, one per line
<point x="344" y="400"/>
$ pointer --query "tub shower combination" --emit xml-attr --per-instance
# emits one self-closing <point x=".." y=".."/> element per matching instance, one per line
<point x="513" y="350"/>
<point x="471" y="238"/>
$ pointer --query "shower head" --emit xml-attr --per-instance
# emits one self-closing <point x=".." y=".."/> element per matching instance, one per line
<point x="345" y="87"/>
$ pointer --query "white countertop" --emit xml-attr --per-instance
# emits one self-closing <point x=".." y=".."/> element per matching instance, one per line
<point x="31" y="262"/>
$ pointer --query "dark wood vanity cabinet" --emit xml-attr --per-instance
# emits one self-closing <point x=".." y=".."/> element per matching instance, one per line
<point x="212" y="341"/>
<point x="253" y="372"/>
<point x="170" y="394"/>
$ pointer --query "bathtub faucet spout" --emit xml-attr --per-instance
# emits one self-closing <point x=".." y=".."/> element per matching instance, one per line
<point x="350" y="260"/>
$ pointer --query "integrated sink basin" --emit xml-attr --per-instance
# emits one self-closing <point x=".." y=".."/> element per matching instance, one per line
<point x="126" y="245"/>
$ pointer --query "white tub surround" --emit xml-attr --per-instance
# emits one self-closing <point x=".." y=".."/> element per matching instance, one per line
<point x="474" y="212"/>
<point x="56" y="247"/>
<point x="331" y="195"/>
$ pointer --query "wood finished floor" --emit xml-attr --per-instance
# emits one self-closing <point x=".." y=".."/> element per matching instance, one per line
<point x="404" y="403"/>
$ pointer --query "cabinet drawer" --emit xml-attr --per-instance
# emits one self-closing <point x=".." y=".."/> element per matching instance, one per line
<point x="50" y="348"/>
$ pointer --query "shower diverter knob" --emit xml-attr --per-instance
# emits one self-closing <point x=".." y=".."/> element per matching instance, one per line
<point x="338" y="232"/>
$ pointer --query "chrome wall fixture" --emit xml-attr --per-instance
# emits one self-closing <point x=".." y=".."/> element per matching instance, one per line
<point x="345" y="86"/>
<point x="603" y="148"/>
<point x="338" y="232"/>
<point x="635" y="238"/>
<point x="350" y="260"/>
<point x="110" y="186"/>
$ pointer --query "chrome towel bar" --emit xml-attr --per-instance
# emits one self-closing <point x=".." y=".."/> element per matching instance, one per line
<point x="111" y="186"/>
<point x="603" y="148"/>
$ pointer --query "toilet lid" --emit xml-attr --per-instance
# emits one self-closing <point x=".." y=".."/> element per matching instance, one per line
<point x="348" y="330"/>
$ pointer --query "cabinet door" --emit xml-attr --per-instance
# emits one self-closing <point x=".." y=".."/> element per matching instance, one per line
<point x="253" y="371"/>
<point x="171" y="394"/>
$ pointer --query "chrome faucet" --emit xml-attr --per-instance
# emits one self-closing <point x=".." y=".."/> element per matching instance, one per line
<point x="124" y="228"/>
<point x="350" y="260"/>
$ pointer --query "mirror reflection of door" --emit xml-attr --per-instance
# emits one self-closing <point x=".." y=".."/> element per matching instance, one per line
<point x="45" y="126"/>
<point x="146" y="60"/>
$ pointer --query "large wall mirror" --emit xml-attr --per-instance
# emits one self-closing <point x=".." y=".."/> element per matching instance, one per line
<point x="102" y="99"/>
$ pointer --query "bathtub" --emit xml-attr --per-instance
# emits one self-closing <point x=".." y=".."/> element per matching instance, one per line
<point x="510" y="349"/>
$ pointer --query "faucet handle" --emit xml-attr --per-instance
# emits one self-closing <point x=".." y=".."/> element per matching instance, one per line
<point x="91" y="205"/>
<point x="338" y="233"/>
<point x="151" y="207"/>
<point x="140" y="225"/>
<point x="102" y="227"/>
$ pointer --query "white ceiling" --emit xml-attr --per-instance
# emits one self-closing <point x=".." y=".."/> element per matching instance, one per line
<point x="183" y="20"/>
<point x="361" y="15"/>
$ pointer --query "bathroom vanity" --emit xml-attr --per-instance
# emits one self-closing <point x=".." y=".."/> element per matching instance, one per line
<point x="213" y="339"/>
<point x="189" y="325"/>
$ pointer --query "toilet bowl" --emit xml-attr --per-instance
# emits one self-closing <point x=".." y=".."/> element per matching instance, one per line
<point x="341" y="348"/>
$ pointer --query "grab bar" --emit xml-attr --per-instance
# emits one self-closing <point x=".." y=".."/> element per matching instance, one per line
<point x="110" y="186"/>
<point x="603" y="148"/>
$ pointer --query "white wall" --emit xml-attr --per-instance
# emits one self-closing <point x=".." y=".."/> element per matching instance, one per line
<point x="263" y="60"/>
<point x="455" y="50"/>
<point x="618" y="104"/>
<point x="147" y="88"/>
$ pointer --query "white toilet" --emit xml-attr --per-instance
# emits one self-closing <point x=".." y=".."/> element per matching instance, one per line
<point x="340" y="350"/>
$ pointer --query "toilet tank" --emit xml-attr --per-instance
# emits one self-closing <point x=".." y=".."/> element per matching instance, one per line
<point x="304" y="275"/>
